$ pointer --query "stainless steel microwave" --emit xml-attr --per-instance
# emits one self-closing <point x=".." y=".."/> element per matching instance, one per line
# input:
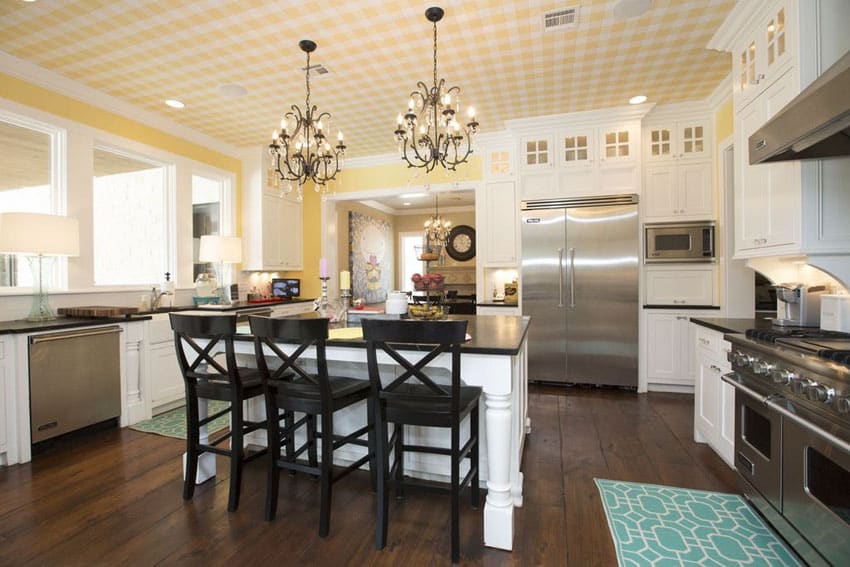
<point x="679" y="242"/>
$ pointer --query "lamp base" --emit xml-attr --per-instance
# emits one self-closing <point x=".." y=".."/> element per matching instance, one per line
<point x="41" y="309"/>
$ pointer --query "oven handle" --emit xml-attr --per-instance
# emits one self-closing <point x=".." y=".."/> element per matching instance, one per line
<point x="733" y="381"/>
<point x="813" y="429"/>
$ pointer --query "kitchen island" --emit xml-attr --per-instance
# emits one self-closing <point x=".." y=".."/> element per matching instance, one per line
<point x="494" y="359"/>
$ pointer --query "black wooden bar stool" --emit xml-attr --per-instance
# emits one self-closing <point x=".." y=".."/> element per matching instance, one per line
<point x="290" y="389"/>
<point x="208" y="377"/>
<point x="414" y="398"/>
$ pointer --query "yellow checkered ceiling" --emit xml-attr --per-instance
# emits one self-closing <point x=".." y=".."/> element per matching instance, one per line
<point x="146" y="51"/>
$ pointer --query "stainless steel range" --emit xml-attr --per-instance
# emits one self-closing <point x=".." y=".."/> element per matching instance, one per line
<point x="792" y="435"/>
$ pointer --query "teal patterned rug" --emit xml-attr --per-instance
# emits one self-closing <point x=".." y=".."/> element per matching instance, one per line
<point x="173" y="423"/>
<point x="660" y="525"/>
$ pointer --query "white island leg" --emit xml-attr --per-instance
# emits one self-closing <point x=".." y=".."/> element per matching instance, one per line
<point x="206" y="461"/>
<point x="499" y="507"/>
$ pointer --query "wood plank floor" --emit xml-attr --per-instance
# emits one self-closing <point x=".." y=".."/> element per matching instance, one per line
<point x="115" y="497"/>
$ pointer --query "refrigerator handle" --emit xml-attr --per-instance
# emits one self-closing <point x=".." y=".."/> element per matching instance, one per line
<point x="572" y="278"/>
<point x="560" y="277"/>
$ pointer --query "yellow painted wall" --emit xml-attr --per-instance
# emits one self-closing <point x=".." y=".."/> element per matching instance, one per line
<point x="27" y="94"/>
<point x="723" y="124"/>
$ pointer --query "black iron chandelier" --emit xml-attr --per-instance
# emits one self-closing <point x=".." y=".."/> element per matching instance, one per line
<point x="301" y="151"/>
<point x="437" y="228"/>
<point x="429" y="134"/>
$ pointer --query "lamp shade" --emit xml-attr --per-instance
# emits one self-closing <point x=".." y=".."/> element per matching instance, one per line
<point x="220" y="249"/>
<point x="39" y="234"/>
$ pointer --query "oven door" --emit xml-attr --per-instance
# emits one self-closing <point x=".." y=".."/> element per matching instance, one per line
<point x="758" y="441"/>
<point x="816" y="487"/>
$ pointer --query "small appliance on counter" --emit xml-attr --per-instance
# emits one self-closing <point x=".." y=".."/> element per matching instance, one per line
<point x="396" y="303"/>
<point x="835" y="313"/>
<point x="798" y="305"/>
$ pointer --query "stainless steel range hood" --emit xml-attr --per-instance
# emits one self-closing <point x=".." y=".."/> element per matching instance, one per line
<point x="816" y="124"/>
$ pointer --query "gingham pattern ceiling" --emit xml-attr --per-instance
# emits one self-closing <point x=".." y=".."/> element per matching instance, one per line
<point x="146" y="51"/>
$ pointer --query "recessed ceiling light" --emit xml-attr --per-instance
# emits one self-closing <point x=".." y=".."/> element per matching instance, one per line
<point x="174" y="103"/>
<point x="639" y="99"/>
<point x="412" y="195"/>
<point x="232" y="90"/>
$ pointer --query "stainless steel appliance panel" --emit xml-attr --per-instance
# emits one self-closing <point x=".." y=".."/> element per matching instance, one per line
<point x="816" y="490"/>
<point x="679" y="242"/>
<point x="543" y="292"/>
<point x="602" y="295"/>
<point x="75" y="380"/>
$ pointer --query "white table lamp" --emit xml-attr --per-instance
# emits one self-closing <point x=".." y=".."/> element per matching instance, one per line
<point x="40" y="237"/>
<point x="221" y="250"/>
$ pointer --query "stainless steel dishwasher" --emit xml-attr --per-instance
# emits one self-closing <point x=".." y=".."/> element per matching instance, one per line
<point x="75" y="380"/>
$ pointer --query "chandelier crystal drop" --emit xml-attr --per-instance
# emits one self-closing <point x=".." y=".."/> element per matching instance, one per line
<point x="428" y="133"/>
<point x="301" y="151"/>
<point x="437" y="228"/>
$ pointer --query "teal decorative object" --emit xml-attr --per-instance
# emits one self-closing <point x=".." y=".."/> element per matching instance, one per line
<point x="661" y="525"/>
<point x="173" y="423"/>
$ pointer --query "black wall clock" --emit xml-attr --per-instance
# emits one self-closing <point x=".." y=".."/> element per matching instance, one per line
<point x="460" y="244"/>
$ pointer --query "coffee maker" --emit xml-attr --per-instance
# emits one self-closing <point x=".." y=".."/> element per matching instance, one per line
<point x="798" y="305"/>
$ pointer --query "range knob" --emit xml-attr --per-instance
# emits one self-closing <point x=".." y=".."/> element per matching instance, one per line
<point x="800" y="385"/>
<point x="843" y="405"/>
<point x="739" y="358"/>
<point x="762" y="367"/>
<point x="782" y="376"/>
<point x="820" y="393"/>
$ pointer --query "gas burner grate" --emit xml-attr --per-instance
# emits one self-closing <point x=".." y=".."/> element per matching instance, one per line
<point x="841" y="356"/>
<point x="771" y="335"/>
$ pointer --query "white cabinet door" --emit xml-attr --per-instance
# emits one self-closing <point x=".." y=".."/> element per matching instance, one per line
<point x="498" y="162"/>
<point x="751" y="191"/>
<point x="291" y="247"/>
<point x="500" y="229"/>
<point x="783" y="178"/>
<point x="694" y="192"/>
<point x="664" y="363"/>
<point x="707" y="398"/>
<point x="164" y="378"/>
<point x="536" y="152"/>
<point x="617" y="145"/>
<point x="683" y="285"/>
<point x="659" y="195"/>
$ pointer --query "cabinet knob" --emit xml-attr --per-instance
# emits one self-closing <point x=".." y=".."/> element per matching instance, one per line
<point x="715" y="368"/>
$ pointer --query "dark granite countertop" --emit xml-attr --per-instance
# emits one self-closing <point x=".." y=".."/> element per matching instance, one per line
<point x="23" y="326"/>
<point x="725" y="325"/>
<point x="492" y="334"/>
<point x="495" y="304"/>
<point x="235" y="306"/>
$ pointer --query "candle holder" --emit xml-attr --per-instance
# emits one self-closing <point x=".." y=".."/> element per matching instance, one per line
<point x="322" y="305"/>
<point x="343" y="305"/>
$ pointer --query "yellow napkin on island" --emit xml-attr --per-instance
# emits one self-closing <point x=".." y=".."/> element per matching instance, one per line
<point x="346" y="333"/>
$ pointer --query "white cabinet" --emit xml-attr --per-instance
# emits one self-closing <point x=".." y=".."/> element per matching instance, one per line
<point x="765" y="51"/>
<point x="674" y="140"/>
<point x="681" y="285"/>
<point x="272" y="223"/>
<point x="485" y="310"/>
<point x="536" y="152"/>
<point x="767" y="196"/>
<point x="4" y="411"/>
<point x="498" y="162"/>
<point x="680" y="191"/>
<point x="164" y="380"/>
<point x="668" y="348"/>
<point x="292" y="309"/>
<point x="714" y="400"/>
<point x="497" y="224"/>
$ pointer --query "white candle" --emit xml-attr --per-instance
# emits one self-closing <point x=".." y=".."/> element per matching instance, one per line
<point x="345" y="280"/>
<point x="323" y="268"/>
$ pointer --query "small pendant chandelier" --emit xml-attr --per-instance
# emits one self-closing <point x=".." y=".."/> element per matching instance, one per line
<point x="429" y="134"/>
<point x="301" y="151"/>
<point x="437" y="228"/>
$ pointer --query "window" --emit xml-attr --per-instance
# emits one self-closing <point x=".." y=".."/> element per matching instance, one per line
<point x="29" y="157"/>
<point x="131" y="235"/>
<point x="410" y="263"/>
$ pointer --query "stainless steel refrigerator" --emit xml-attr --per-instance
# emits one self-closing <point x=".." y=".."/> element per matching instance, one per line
<point x="580" y="286"/>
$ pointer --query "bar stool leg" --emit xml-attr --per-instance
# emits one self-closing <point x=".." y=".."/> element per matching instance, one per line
<point x="192" y="441"/>
<point x="326" y="473"/>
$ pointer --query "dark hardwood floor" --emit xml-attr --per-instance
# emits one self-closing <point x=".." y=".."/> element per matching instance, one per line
<point x="115" y="497"/>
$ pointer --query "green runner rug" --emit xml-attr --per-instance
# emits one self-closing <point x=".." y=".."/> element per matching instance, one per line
<point x="660" y="525"/>
<point x="173" y="423"/>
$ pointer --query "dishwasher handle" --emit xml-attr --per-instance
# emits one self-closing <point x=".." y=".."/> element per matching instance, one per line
<point x="74" y="334"/>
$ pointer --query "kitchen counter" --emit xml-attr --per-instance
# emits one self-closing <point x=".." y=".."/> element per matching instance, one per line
<point x="23" y="326"/>
<point x="725" y="325"/>
<point x="235" y="306"/>
<point x="495" y="304"/>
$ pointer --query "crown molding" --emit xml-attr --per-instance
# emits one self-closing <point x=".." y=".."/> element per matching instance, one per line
<point x="598" y="116"/>
<point x="678" y="110"/>
<point x="742" y="17"/>
<point x="64" y="86"/>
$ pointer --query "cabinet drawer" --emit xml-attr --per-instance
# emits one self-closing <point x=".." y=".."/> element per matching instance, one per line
<point x="682" y="286"/>
<point x="710" y="342"/>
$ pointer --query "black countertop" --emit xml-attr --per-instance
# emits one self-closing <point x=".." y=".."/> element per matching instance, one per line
<point x="23" y="326"/>
<point x="725" y="325"/>
<point x="495" y="304"/>
<point x="491" y="334"/>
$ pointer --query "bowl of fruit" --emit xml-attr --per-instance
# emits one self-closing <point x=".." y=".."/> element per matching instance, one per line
<point x="428" y="282"/>
<point x="427" y="312"/>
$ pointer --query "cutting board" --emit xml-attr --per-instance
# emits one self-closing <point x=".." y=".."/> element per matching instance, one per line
<point x="97" y="311"/>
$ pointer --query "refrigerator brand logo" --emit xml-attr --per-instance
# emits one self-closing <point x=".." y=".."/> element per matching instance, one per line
<point x="534" y="220"/>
